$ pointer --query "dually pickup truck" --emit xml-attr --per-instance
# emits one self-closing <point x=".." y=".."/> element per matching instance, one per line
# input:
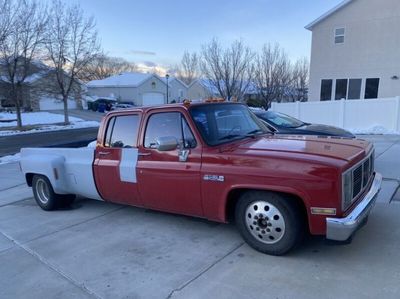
<point x="216" y="161"/>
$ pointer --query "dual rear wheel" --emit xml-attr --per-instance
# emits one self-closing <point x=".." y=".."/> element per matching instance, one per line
<point x="45" y="196"/>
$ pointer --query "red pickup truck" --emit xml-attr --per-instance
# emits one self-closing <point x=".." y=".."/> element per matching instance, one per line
<point x="216" y="161"/>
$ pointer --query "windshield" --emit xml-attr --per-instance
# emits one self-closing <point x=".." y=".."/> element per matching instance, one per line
<point x="280" y="119"/>
<point x="221" y="123"/>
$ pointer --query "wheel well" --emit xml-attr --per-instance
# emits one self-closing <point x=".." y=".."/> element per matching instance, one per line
<point x="29" y="178"/>
<point x="234" y="195"/>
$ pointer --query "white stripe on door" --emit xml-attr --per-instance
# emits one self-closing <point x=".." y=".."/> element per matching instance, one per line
<point x="127" y="166"/>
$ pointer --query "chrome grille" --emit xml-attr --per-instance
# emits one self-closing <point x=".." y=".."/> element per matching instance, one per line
<point x="360" y="175"/>
<point x="357" y="180"/>
<point x="366" y="171"/>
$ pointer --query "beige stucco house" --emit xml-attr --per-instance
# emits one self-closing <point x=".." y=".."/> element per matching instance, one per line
<point x="177" y="90"/>
<point x="39" y="90"/>
<point x="355" y="51"/>
<point x="199" y="89"/>
<point x="139" y="88"/>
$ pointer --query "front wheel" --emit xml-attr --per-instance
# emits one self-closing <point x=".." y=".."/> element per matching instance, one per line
<point x="269" y="222"/>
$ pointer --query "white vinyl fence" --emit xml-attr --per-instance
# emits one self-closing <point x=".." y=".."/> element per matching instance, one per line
<point x="358" y="116"/>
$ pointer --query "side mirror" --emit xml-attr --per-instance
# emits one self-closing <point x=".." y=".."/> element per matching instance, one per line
<point x="167" y="143"/>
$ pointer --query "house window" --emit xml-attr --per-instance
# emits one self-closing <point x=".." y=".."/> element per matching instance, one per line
<point x="371" y="88"/>
<point x="341" y="89"/>
<point x="354" y="89"/>
<point x="339" y="36"/>
<point x="326" y="90"/>
<point x="153" y="85"/>
<point x="180" y="93"/>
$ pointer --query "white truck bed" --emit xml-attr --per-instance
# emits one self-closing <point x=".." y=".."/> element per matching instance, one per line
<point x="70" y="170"/>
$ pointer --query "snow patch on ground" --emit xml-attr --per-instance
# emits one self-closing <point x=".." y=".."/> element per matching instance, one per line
<point x="10" y="159"/>
<point x="46" y="119"/>
<point x="35" y="118"/>
<point x="374" y="130"/>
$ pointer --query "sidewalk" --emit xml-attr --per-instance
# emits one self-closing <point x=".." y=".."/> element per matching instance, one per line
<point x="387" y="155"/>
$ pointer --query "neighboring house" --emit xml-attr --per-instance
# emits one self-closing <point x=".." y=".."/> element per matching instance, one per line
<point x="39" y="90"/>
<point x="203" y="88"/>
<point x="177" y="90"/>
<point x="355" y="51"/>
<point x="138" y="88"/>
<point x="200" y="89"/>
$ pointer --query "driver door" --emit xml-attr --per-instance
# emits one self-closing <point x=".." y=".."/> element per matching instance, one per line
<point x="166" y="181"/>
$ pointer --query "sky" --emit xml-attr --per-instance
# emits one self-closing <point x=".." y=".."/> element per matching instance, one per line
<point x="157" y="32"/>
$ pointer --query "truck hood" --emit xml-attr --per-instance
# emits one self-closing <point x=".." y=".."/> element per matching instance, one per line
<point x="337" y="148"/>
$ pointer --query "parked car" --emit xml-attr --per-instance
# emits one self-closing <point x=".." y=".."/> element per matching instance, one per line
<point x="285" y="124"/>
<point x="101" y="105"/>
<point x="122" y="105"/>
<point x="216" y="161"/>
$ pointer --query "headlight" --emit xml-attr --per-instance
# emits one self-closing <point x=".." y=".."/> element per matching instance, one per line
<point x="346" y="189"/>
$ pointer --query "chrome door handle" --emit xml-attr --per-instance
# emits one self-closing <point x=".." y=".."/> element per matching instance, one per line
<point x="144" y="154"/>
<point x="104" y="153"/>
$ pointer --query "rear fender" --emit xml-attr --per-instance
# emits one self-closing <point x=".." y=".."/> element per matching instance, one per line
<point x="50" y="166"/>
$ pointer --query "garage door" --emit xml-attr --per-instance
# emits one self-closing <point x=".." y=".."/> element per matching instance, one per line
<point x="153" y="98"/>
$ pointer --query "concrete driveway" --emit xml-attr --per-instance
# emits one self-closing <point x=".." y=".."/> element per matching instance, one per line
<point x="100" y="250"/>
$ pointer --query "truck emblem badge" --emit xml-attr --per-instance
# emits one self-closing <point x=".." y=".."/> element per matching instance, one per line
<point x="215" y="178"/>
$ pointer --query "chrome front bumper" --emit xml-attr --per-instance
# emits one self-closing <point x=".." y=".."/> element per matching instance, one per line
<point x="341" y="229"/>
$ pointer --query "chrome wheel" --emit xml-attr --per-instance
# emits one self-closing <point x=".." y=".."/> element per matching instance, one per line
<point x="265" y="222"/>
<point x="42" y="190"/>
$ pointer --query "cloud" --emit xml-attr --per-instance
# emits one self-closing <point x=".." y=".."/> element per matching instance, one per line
<point x="151" y="67"/>
<point x="141" y="52"/>
<point x="149" y="63"/>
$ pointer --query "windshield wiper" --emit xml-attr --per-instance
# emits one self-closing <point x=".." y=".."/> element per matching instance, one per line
<point x="254" y="132"/>
<point x="295" y="127"/>
<point x="230" y="136"/>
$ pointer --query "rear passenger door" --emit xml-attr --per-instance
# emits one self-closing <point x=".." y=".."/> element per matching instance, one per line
<point x="116" y="159"/>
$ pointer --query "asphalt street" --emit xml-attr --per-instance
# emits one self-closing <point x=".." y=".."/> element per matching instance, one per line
<point x="101" y="250"/>
<point x="10" y="145"/>
<point x="65" y="138"/>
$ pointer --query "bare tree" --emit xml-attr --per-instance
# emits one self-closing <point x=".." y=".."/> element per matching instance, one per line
<point x="188" y="69"/>
<point x="229" y="70"/>
<point x="6" y="18"/>
<point x="22" y="27"/>
<point x="72" y="45"/>
<point x="103" y="66"/>
<point x="272" y="74"/>
<point x="298" y="90"/>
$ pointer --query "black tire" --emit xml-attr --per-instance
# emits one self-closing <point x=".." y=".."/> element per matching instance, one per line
<point x="44" y="193"/>
<point x="269" y="222"/>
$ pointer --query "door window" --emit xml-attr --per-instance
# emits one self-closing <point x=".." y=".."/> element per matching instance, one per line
<point x="168" y="124"/>
<point x="122" y="131"/>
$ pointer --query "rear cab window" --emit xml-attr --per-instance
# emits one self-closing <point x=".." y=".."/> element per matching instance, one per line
<point x="122" y="131"/>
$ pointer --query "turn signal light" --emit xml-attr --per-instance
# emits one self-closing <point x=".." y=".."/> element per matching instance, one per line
<point x="323" y="211"/>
